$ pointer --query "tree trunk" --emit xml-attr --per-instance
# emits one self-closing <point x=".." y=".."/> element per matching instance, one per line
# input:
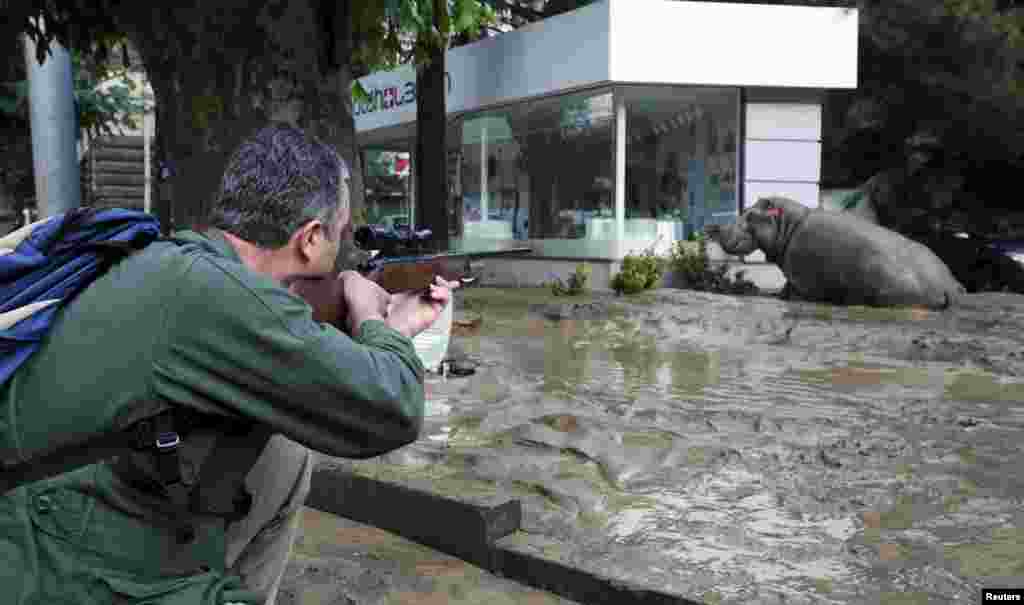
<point x="430" y="163"/>
<point x="222" y="70"/>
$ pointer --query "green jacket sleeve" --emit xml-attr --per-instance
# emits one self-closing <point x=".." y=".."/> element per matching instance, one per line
<point x="238" y="343"/>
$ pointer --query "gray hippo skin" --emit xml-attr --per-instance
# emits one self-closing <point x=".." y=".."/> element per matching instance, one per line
<point x="840" y="258"/>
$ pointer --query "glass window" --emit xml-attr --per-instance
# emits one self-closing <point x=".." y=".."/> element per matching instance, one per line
<point x="680" y="159"/>
<point x="539" y="169"/>
<point x="388" y="182"/>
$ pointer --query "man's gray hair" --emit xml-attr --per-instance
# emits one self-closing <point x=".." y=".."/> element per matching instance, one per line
<point x="278" y="180"/>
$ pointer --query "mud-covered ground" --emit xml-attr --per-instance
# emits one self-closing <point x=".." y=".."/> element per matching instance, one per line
<point x="741" y="450"/>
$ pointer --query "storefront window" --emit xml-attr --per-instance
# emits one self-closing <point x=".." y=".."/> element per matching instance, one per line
<point x="540" y="169"/>
<point x="680" y="159"/>
<point x="388" y="181"/>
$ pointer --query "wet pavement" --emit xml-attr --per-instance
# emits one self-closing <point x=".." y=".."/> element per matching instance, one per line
<point x="341" y="562"/>
<point x="738" y="449"/>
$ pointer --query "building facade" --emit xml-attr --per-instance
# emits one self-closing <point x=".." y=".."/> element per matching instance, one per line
<point x="623" y="125"/>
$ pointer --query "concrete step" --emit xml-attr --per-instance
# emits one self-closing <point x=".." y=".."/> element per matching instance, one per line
<point x="109" y="166"/>
<point x="119" y="154"/>
<point x="120" y="191"/>
<point x="122" y="179"/>
<point x="121" y="141"/>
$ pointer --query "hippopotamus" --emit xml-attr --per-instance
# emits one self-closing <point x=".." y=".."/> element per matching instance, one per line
<point x="840" y="258"/>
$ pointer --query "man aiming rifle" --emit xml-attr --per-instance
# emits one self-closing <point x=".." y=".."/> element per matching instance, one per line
<point x="227" y="376"/>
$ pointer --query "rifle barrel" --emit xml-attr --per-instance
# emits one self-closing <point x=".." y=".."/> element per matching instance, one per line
<point x="425" y="258"/>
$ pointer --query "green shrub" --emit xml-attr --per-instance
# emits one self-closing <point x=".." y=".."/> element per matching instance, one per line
<point x="694" y="270"/>
<point x="577" y="283"/>
<point x="687" y="263"/>
<point x="639" y="272"/>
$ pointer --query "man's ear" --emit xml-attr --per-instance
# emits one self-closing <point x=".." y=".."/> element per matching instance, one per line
<point x="309" y="236"/>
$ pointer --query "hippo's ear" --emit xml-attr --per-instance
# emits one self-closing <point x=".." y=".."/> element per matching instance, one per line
<point x="769" y="207"/>
<point x="765" y="208"/>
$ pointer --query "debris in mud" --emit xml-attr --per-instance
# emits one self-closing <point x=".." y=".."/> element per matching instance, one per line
<point x="595" y="309"/>
<point x="466" y="324"/>
<point x="459" y="368"/>
<point x="828" y="460"/>
<point x="933" y="346"/>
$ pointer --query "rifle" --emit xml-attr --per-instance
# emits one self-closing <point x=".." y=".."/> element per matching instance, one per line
<point x="402" y="273"/>
<point x="396" y="274"/>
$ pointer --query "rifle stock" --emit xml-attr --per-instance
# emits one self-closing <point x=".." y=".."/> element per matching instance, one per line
<point x="403" y="273"/>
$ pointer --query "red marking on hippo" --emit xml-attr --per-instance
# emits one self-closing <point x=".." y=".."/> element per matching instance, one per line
<point x="839" y="258"/>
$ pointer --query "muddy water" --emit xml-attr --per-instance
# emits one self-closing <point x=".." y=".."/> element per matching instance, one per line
<point x="740" y="450"/>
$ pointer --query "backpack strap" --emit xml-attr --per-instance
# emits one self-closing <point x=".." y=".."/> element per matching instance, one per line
<point x="158" y="435"/>
<point x="199" y="462"/>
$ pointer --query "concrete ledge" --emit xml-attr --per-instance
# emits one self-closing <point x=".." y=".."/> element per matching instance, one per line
<point x="532" y="272"/>
<point x="468" y="531"/>
<point x="456" y="528"/>
<point x="537" y="271"/>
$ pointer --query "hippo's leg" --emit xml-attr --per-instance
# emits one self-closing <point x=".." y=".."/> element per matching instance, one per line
<point x="787" y="293"/>
<point x="893" y="285"/>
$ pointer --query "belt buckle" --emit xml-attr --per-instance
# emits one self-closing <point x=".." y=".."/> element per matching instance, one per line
<point x="167" y="441"/>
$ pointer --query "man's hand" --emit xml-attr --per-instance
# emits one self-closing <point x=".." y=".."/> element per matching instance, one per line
<point x="412" y="312"/>
<point x="364" y="299"/>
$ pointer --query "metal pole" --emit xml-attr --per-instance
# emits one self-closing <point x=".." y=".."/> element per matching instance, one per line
<point x="147" y="203"/>
<point x="54" y="130"/>
<point x="484" y="176"/>
<point x="620" y="169"/>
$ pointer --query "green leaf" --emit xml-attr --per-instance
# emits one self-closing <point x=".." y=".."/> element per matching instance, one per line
<point x="466" y="15"/>
<point x="411" y="16"/>
<point x="427" y="10"/>
<point x="488" y="16"/>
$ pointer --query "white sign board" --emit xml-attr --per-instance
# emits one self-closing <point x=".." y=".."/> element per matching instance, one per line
<point x="709" y="43"/>
<point x="635" y="41"/>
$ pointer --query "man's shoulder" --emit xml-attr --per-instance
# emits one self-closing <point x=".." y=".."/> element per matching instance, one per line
<point x="222" y="285"/>
<point x="208" y="271"/>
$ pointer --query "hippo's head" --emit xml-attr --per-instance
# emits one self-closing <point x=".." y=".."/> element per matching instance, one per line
<point x="764" y="225"/>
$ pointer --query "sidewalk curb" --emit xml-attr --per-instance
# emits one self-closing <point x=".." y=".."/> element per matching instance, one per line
<point x="468" y="531"/>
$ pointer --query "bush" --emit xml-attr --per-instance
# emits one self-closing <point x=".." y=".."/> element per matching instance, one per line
<point x="639" y="272"/>
<point x="694" y="270"/>
<point x="577" y="283"/>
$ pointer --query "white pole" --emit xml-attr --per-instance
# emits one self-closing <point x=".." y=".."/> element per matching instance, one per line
<point x="53" y="123"/>
<point x="148" y="200"/>
<point x="620" y="167"/>
<point x="483" y="171"/>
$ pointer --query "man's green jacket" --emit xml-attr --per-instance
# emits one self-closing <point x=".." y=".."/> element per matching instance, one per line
<point x="178" y="324"/>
